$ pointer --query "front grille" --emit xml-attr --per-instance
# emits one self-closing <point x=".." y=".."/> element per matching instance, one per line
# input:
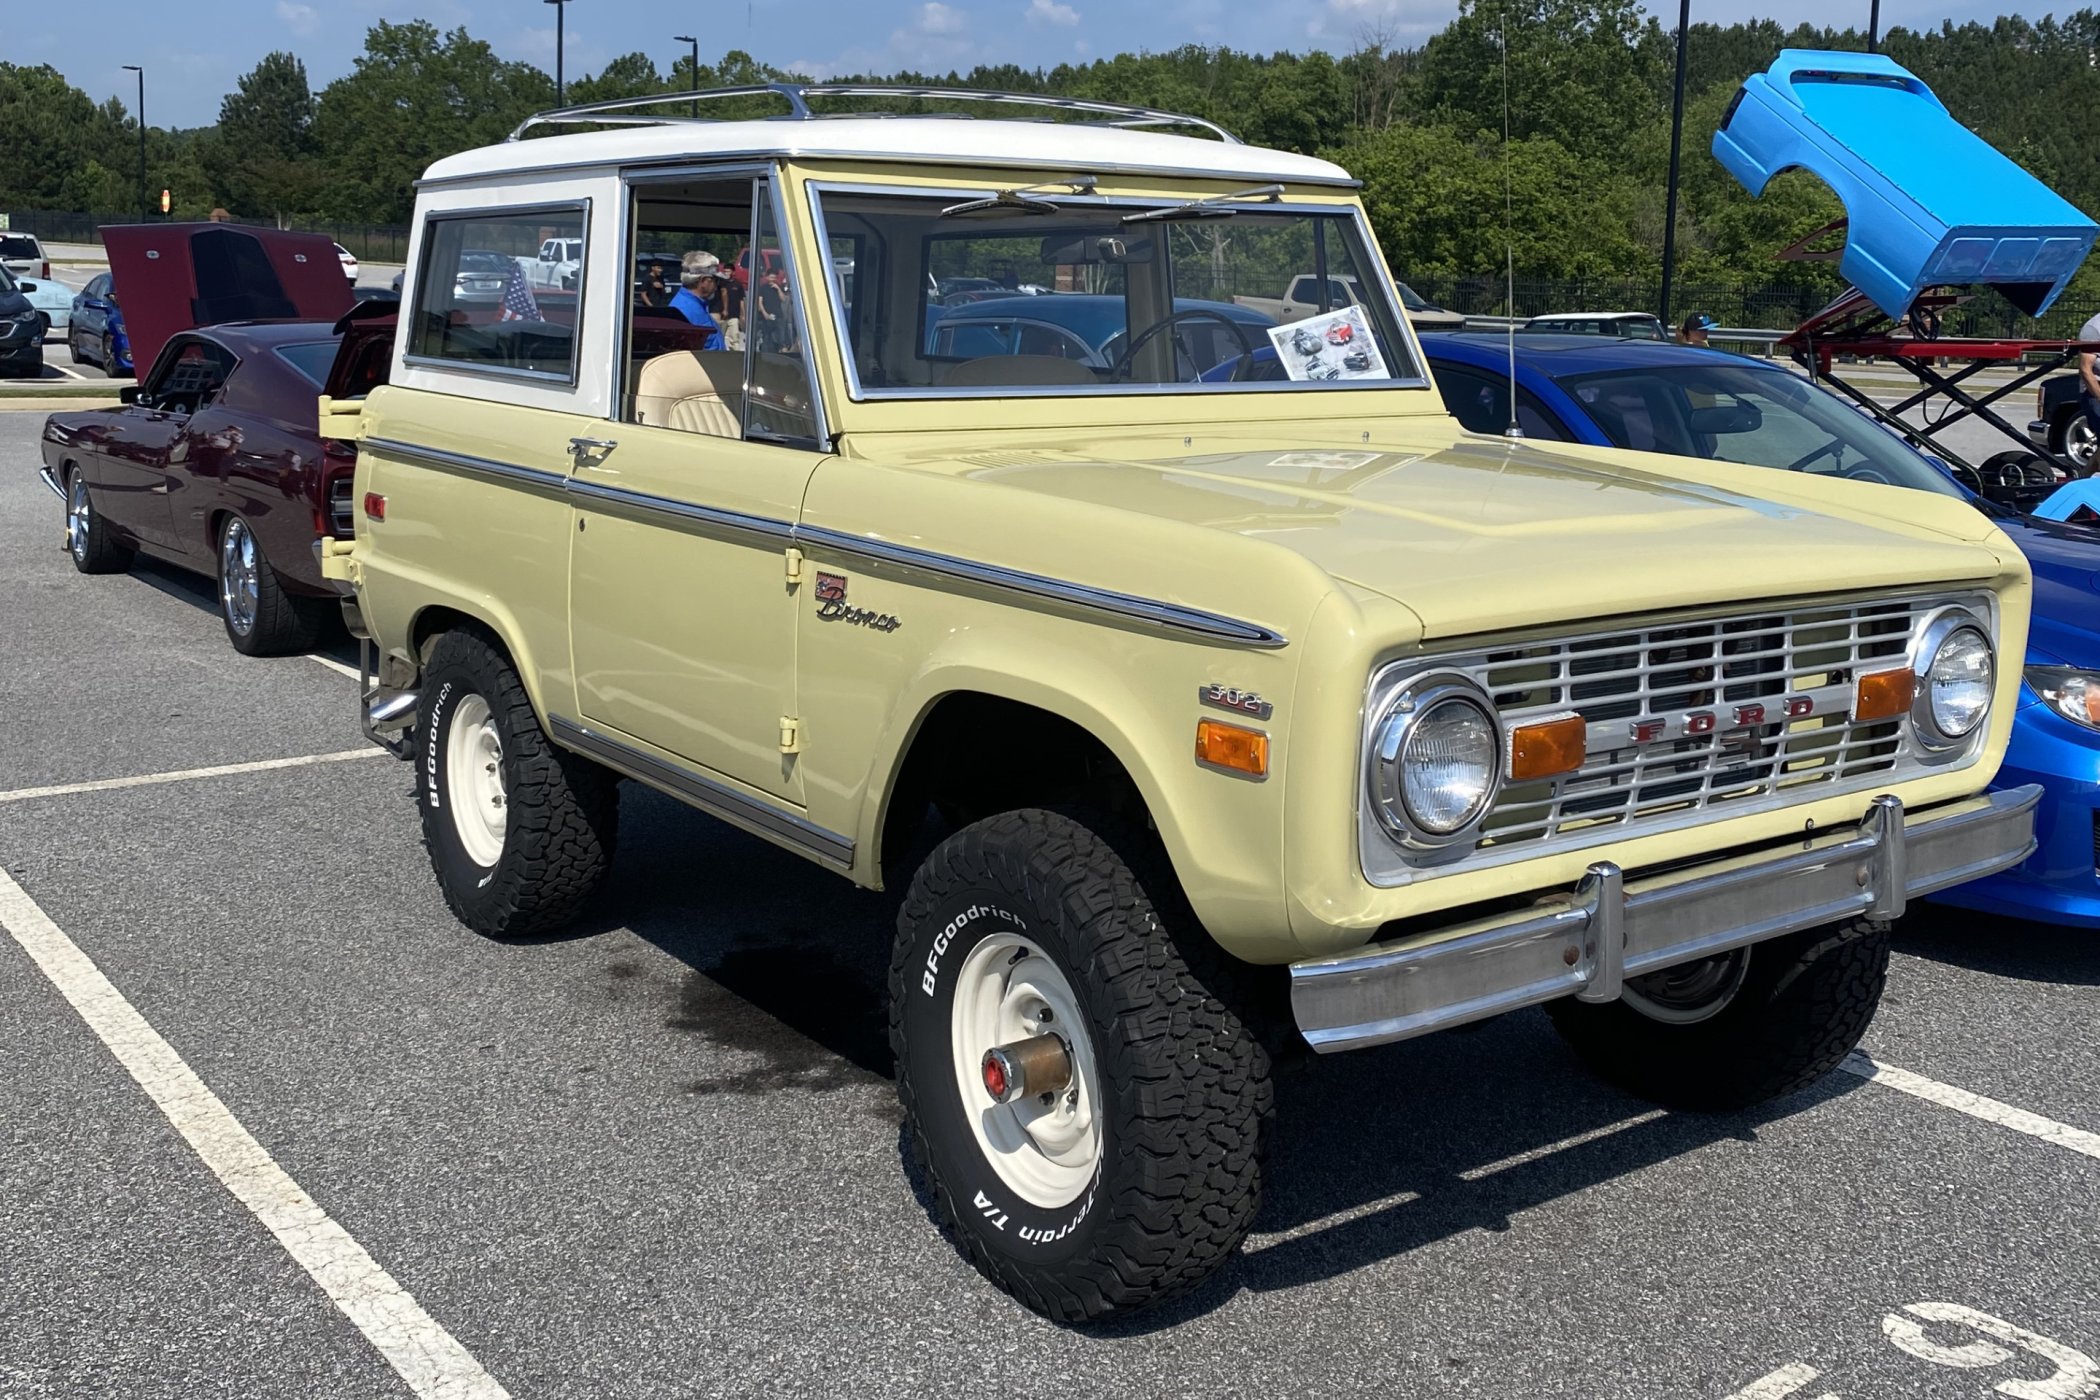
<point x="1616" y="679"/>
<point x="341" y="518"/>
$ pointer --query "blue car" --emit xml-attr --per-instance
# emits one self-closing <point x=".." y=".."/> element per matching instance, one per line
<point x="96" y="334"/>
<point x="1702" y="403"/>
<point x="1091" y="329"/>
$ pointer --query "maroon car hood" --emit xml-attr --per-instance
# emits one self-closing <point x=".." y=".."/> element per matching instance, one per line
<point x="173" y="277"/>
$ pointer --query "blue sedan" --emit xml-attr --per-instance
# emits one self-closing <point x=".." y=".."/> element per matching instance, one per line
<point x="96" y="332"/>
<point x="1702" y="403"/>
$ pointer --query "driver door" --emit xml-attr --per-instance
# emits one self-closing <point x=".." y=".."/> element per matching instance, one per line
<point x="143" y="447"/>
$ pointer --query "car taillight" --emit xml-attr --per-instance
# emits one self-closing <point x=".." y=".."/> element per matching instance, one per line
<point x="47" y="270"/>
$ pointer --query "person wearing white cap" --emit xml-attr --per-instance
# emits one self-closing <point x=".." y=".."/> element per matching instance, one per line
<point x="698" y="274"/>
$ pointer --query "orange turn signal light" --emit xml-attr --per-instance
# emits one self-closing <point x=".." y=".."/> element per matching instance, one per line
<point x="1230" y="747"/>
<point x="1884" y="694"/>
<point x="1548" y="748"/>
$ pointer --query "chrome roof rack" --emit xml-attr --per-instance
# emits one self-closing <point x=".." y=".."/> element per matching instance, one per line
<point x="797" y="96"/>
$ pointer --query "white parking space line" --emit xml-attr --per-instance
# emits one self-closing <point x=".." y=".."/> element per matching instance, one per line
<point x="1975" y="1105"/>
<point x="1780" y="1384"/>
<point x="1565" y="1144"/>
<point x="428" y="1357"/>
<point x="334" y="665"/>
<point x="184" y="775"/>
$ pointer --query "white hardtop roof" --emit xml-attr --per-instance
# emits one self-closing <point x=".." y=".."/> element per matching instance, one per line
<point x="1047" y="146"/>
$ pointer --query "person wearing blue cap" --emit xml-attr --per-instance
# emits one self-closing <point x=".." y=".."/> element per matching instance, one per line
<point x="1695" y="328"/>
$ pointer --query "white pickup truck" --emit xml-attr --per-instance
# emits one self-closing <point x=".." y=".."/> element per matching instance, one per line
<point x="556" y="266"/>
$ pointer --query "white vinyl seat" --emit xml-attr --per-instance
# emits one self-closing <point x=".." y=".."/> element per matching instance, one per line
<point x="693" y="391"/>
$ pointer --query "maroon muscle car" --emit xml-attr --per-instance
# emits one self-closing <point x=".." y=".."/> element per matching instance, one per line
<point x="214" y="463"/>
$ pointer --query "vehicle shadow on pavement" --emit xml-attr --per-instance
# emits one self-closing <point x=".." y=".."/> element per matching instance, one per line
<point x="201" y="593"/>
<point x="2001" y="946"/>
<point x="1374" y="1153"/>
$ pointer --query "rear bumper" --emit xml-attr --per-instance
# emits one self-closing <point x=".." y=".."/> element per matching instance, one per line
<point x="1610" y="929"/>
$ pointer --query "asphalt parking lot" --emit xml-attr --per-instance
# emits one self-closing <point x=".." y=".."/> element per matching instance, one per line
<point x="660" y="1156"/>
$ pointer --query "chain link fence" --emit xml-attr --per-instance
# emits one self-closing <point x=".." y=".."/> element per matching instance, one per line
<point x="385" y="243"/>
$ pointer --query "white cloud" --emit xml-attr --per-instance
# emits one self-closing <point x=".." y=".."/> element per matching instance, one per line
<point x="302" y="20"/>
<point x="1051" y="12"/>
<point x="936" y="18"/>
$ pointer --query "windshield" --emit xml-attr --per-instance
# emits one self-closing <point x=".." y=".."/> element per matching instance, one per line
<point x="7" y="281"/>
<point x="1053" y="290"/>
<point x="1749" y="414"/>
<point x="1410" y="298"/>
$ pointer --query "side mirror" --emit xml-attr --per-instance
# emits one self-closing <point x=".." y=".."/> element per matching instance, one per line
<point x="129" y="393"/>
<point x="25" y="286"/>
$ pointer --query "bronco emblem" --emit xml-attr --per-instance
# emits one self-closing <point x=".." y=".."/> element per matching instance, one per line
<point x="833" y="607"/>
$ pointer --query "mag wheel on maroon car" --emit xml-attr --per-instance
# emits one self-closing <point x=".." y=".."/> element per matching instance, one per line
<point x="1086" y="1113"/>
<point x="88" y="540"/>
<point x="520" y="831"/>
<point x="261" y="617"/>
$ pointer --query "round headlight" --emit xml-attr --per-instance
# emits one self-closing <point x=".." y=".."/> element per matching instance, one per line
<point x="1957" y="676"/>
<point x="1436" y="763"/>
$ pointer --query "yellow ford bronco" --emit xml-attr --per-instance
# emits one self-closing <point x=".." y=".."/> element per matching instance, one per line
<point x="1192" y="675"/>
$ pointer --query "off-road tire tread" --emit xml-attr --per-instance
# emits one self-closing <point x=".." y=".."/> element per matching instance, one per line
<point x="564" y="809"/>
<point x="103" y="555"/>
<point x="285" y="623"/>
<point x="1188" y="1085"/>
<point x="1805" y="1002"/>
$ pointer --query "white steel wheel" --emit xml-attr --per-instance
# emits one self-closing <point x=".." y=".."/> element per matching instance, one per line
<point x="474" y="781"/>
<point x="1691" y="992"/>
<point x="1045" y="1147"/>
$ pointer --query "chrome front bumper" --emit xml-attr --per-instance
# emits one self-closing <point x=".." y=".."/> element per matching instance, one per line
<point x="1610" y="928"/>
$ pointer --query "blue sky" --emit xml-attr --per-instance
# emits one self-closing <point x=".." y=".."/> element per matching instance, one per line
<point x="195" y="51"/>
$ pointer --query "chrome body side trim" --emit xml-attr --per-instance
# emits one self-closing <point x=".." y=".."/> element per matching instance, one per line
<point x="1609" y="930"/>
<point x="487" y="467"/>
<point x="45" y="475"/>
<point x="715" y="798"/>
<point x="1124" y="606"/>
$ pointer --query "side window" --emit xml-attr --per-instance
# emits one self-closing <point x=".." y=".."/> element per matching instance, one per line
<point x="187" y="375"/>
<point x="1480" y="402"/>
<point x="481" y="304"/>
<point x="1301" y="290"/>
<point x="722" y="354"/>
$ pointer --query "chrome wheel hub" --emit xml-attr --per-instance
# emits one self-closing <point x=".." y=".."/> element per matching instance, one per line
<point x="2079" y="440"/>
<point x="474" y="781"/>
<point x="1045" y="1146"/>
<point x="238" y="576"/>
<point x="79" y="516"/>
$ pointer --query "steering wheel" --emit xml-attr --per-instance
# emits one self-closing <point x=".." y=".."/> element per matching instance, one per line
<point x="1834" y="445"/>
<point x="1120" y="370"/>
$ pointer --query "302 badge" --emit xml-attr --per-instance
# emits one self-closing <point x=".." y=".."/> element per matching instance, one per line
<point x="1240" y="702"/>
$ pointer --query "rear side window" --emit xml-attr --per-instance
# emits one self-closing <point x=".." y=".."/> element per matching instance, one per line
<point x="487" y="299"/>
<point x="1480" y="402"/>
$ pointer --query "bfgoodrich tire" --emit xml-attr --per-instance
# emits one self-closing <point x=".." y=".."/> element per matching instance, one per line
<point x="1142" y="1176"/>
<point x="520" y="832"/>
<point x="1729" y="1032"/>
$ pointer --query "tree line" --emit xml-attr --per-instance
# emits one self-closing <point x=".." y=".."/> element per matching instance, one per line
<point x="1580" y="89"/>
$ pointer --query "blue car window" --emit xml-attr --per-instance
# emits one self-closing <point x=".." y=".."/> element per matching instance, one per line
<point x="1480" y="402"/>
<point x="1750" y="414"/>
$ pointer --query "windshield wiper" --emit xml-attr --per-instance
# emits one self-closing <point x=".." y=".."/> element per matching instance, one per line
<point x="1022" y="200"/>
<point x="1209" y="207"/>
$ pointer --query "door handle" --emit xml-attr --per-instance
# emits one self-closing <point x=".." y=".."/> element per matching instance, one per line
<point x="589" y="452"/>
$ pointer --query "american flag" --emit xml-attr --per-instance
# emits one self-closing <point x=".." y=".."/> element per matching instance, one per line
<point x="519" y="304"/>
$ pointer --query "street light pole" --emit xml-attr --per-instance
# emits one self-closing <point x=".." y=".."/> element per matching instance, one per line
<point x="135" y="68"/>
<point x="689" y="39"/>
<point x="1874" y="27"/>
<point x="1684" y="23"/>
<point x="561" y="8"/>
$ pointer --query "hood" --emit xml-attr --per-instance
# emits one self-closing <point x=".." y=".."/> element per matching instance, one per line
<point x="1478" y="537"/>
<point x="2066" y="563"/>
<point x="171" y="278"/>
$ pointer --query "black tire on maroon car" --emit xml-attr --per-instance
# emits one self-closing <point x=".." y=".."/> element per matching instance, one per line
<point x="1140" y="1176"/>
<point x="520" y="831"/>
<point x="1734" y="1030"/>
<point x="262" y="617"/>
<point x="88" y="541"/>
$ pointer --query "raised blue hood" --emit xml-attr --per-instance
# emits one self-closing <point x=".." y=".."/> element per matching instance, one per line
<point x="1927" y="201"/>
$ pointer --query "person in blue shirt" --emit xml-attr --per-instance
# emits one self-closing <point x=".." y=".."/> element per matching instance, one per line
<point x="698" y="276"/>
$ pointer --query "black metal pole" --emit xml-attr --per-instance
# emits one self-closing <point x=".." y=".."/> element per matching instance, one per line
<point x="1874" y="27"/>
<point x="689" y="39"/>
<point x="561" y="9"/>
<point x="135" y="68"/>
<point x="1684" y="23"/>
